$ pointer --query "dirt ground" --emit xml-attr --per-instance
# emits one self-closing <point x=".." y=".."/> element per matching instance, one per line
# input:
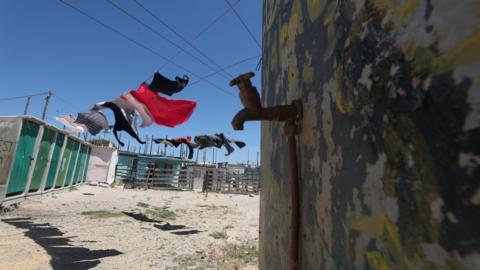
<point x="114" y="228"/>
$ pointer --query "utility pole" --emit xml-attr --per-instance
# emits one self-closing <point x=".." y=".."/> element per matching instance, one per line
<point x="165" y="149"/>
<point x="47" y="101"/>
<point x="213" y="155"/>
<point x="119" y="145"/>
<point x="145" y="145"/>
<point x="25" y="111"/>
<point x="257" y="159"/>
<point x="151" y="145"/>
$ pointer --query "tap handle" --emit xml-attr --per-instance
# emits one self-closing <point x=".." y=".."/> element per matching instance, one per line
<point x="244" y="78"/>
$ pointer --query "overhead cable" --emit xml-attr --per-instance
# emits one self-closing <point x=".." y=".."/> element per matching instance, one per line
<point x="244" y="24"/>
<point x="140" y="45"/>
<point x="130" y="15"/>
<point x="225" y="68"/>
<point x="26" y="96"/>
<point x="181" y="37"/>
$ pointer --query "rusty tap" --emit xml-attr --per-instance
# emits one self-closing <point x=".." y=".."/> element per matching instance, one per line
<point x="253" y="110"/>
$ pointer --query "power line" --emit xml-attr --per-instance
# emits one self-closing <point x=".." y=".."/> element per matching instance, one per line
<point x="140" y="44"/>
<point x="244" y="24"/>
<point x="181" y="37"/>
<point x="212" y="23"/>
<point x="26" y="96"/>
<point x="224" y="68"/>
<point x="65" y="101"/>
<point x="157" y="33"/>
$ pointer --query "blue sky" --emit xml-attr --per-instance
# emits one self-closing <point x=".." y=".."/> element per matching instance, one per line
<point x="49" y="46"/>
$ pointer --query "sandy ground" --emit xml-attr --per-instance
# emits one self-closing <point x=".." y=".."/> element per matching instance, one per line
<point x="138" y="229"/>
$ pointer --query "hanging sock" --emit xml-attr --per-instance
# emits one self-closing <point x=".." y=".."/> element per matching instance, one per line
<point x="68" y="122"/>
<point x="225" y="143"/>
<point x="204" y="141"/>
<point x="147" y="118"/>
<point x="166" y="112"/>
<point x="161" y="84"/>
<point x="121" y="122"/>
<point x="95" y="121"/>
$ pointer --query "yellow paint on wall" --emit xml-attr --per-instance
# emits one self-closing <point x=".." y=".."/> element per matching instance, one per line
<point x="342" y="105"/>
<point x="294" y="26"/>
<point x="376" y="261"/>
<point x="307" y="73"/>
<point x="407" y="8"/>
<point x="467" y="52"/>
<point x="384" y="4"/>
<point x="315" y="8"/>
<point x="391" y="253"/>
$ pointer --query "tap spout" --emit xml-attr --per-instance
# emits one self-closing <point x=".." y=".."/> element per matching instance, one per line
<point x="281" y="113"/>
<point x="253" y="110"/>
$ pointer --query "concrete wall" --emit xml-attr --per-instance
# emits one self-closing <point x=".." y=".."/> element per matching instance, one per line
<point x="390" y="143"/>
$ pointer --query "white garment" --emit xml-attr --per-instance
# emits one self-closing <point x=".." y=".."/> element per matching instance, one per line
<point x="67" y="121"/>
<point x="140" y="108"/>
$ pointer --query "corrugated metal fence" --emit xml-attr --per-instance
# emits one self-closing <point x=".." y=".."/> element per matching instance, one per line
<point x="214" y="179"/>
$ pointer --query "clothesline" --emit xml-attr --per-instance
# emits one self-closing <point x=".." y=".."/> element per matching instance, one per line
<point x="147" y="103"/>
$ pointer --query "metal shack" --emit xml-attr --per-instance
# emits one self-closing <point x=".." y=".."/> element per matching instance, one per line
<point x="151" y="171"/>
<point x="36" y="158"/>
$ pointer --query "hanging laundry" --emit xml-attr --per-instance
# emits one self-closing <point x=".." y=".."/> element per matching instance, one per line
<point x="226" y="143"/>
<point x="95" y="121"/>
<point x="121" y="122"/>
<point x="205" y="141"/>
<point x="147" y="118"/>
<point x="164" y="141"/>
<point x="68" y="122"/>
<point x="184" y="139"/>
<point x="160" y="84"/>
<point x="239" y="144"/>
<point x="128" y="110"/>
<point x="166" y="112"/>
<point x="190" y="146"/>
<point x="176" y="142"/>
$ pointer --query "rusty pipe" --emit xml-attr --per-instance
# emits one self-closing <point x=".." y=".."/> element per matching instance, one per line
<point x="294" y="217"/>
<point x="291" y="115"/>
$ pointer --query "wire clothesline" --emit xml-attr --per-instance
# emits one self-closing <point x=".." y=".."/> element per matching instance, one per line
<point x="151" y="29"/>
<point x="182" y="38"/>
<point x="142" y="46"/>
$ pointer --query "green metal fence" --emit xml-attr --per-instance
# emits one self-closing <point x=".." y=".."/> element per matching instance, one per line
<point x="36" y="157"/>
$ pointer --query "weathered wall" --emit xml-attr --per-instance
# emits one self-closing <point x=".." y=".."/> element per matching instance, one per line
<point x="390" y="143"/>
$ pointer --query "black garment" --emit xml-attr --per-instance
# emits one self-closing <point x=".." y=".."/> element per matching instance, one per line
<point x="167" y="86"/>
<point x="226" y="143"/>
<point x="205" y="141"/>
<point x="121" y="123"/>
<point x="190" y="146"/>
<point x="164" y="141"/>
<point x="239" y="144"/>
<point x="177" y="142"/>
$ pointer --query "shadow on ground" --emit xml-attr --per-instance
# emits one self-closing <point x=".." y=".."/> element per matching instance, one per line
<point x="172" y="228"/>
<point x="141" y="217"/>
<point x="63" y="254"/>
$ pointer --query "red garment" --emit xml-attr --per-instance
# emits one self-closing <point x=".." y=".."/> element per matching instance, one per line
<point x="187" y="139"/>
<point x="166" y="112"/>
